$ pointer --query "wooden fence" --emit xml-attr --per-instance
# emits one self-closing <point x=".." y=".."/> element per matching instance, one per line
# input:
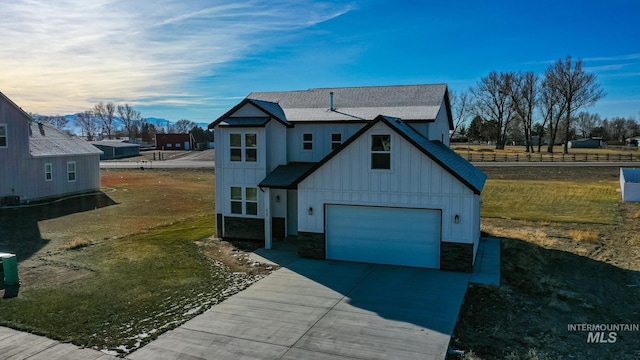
<point x="546" y="157"/>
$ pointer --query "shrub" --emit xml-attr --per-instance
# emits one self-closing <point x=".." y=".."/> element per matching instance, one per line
<point x="584" y="235"/>
<point x="77" y="243"/>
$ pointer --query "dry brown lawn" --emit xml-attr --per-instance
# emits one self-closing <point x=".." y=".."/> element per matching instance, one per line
<point x="556" y="273"/>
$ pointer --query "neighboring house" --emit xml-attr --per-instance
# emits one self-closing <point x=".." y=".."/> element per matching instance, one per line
<point x="589" y="143"/>
<point x="116" y="149"/>
<point x="359" y="174"/>
<point x="633" y="141"/>
<point x="174" y="142"/>
<point x="39" y="161"/>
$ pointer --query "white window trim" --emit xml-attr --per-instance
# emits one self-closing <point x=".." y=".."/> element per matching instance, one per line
<point x="246" y="148"/>
<point x="243" y="147"/>
<point x="48" y="172"/>
<point x="6" y="136"/>
<point x="371" y="152"/>
<point x="235" y="147"/>
<point x="74" y="172"/>
<point x="244" y="201"/>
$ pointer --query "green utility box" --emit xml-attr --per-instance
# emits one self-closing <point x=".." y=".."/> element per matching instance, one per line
<point x="10" y="269"/>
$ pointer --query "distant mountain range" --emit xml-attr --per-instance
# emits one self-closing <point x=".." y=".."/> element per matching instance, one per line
<point x="157" y="122"/>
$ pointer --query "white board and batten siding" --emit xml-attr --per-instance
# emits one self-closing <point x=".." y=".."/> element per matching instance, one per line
<point x="241" y="173"/>
<point x="321" y="139"/>
<point x="414" y="181"/>
<point x="271" y="146"/>
<point x="438" y="129"/>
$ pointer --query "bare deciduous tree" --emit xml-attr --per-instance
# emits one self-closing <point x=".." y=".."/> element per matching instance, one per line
<point x="552" y="108"/>
<point x="492" y="101"/>
<point x="576" y="88"/>
<point x="88" y="124"/>
<point x="524" y="99"/>
<point x="183" y="126"/>
<point x="586" y="123"/>
<point x="130" y="118"/>
<point x="461" y="108"/>
<point x="105" y="112"/>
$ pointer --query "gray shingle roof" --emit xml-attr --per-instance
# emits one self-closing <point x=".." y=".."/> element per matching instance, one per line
<point x="409" y="102"/>
<point x="245" y="121"/>
<point x="114" y="143"/>
<point x="284" y="176"/>
<point x="46" y="140"/>
<point x="442" y="154"/>
<point x="271" y="107"/>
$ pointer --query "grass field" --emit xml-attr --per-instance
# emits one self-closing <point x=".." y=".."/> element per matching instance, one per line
<point x="114" y="271"/>
<point x="564" y="201"/>
<point x="570" y="255"/>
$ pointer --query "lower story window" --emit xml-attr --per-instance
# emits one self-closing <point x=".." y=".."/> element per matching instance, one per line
<point x="71" y="171"/>
<point x="244" y="200"/>
<point x="48" y="172"/>
<point x="236" y="200"/>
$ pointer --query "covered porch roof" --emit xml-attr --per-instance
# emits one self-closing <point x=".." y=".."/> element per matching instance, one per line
<point x="285" y="176"/>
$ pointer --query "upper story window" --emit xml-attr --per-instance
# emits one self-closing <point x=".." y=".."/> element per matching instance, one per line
<point x="71" y="171"/>
<point x="336" y="140"/>
<point x="3" y="136"/>
<point x="381" y="152"/>
<point x="243" y="147"/>
<point x="251" y="147"/>
<point x="307" y="141"/>
<point x="48" y="172"/>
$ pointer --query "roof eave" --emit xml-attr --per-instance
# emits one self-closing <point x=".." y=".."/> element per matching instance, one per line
<point x="435" y="159"/>
<point x="62" y="155"/>
<point x="447" y="105"/>
<point x="240" y="105"/>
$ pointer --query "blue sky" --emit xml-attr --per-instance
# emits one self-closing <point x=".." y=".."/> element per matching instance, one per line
<point x="195" y="59"/>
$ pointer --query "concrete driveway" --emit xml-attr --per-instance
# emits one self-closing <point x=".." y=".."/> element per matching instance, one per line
<point x="313" y="309"/>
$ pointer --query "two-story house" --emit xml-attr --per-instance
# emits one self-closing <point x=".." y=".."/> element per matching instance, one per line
<point x="39" y="161"/>
<point x="358" y="174"/>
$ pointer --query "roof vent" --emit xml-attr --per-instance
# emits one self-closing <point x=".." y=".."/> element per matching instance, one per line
<point x="331" y="101"/>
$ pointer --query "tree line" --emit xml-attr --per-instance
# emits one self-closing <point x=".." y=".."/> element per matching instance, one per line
<point x="534" y="108"/>
<point x="102" y="122"/>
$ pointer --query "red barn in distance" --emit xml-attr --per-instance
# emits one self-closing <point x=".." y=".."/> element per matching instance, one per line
<point x="174" y="142"/>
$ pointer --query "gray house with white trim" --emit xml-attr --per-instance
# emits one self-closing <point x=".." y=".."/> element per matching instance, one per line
<point x="39" y="161"/>
<point x="357" y="174"/>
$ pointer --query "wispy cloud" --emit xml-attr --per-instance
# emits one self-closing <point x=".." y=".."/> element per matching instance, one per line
<point x="614" y="58"/>
<point x="602" y="68"/>
<point x="65" y="55"/>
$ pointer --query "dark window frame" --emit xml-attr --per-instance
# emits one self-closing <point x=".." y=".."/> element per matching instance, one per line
<point x="336" y="140"/>
<point x="307" y="141"/>
<point x="380" y="152"/>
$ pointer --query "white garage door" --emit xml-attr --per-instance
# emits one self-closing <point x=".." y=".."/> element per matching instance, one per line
<point x="394" y="236"/>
